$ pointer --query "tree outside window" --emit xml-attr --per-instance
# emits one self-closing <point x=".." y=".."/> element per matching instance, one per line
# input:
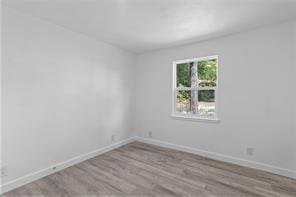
<point x="195" y="87"/>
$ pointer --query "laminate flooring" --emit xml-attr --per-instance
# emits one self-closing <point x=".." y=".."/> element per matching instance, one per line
<point x="139" y="169"/>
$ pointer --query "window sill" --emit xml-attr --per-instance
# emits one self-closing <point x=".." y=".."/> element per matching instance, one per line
<point x="194" y="118"/>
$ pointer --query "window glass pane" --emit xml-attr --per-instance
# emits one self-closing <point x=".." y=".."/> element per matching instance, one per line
<point x="186" y="102"/>
<point x="206" y="102"/>
<point x="207" y="73"/>
<point x="186" y="75"/>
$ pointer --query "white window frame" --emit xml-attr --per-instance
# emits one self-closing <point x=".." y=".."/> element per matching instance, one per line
<point x="197" y="117"/>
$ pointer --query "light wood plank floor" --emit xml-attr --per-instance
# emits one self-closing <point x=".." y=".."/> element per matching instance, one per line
<point x="139" y="169"/>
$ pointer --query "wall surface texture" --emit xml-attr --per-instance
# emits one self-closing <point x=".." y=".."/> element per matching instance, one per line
<point x="0" y="92"/>
<point x="256" y="98"/>
<point x="64" y="94"/>
<point x="294" y="89"/>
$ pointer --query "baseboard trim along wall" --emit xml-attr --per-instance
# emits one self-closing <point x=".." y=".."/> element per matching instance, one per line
<point x="221" y="157"/>
<point x="60" y="166"/>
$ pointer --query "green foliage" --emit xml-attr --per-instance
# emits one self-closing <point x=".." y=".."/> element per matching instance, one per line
<point x="183" y="75"/>
<point x="207" y="77"/>
<point x="183" y="96"/>
<point x="206" y="95"/>
<point x="183" y="99"/>
<point x="207" y="73"/>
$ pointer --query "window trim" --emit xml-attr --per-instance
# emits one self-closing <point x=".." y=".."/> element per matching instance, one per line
<point x="196" y="117"/>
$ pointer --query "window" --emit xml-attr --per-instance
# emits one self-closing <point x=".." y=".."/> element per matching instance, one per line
<point x="195" y="87"/>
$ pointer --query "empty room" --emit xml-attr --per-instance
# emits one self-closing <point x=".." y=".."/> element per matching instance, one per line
<point x="148" y="98"/>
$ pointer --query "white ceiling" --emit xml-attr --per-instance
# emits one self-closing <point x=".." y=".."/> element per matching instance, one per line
<point x="143" y="25"/>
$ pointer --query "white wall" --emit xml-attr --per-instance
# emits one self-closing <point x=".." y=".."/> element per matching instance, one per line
<point x="0" y="92"/>
<point x="255" y="96"/>
<point x="64" y="94"/>
<point x="294" y="77"/>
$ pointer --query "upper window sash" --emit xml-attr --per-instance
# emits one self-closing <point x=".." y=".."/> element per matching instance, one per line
<point x="185" y="61"/>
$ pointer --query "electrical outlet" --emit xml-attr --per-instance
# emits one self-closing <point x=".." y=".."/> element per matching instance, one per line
<point x="250" y="151"/>
<point x="150" y="134"/>
<point x="113" y="138"/>
<point x="3" y="171"/>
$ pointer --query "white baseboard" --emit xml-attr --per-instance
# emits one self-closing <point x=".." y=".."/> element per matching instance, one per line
<point x="221" y="157"/>
<point x="60" y="166"/>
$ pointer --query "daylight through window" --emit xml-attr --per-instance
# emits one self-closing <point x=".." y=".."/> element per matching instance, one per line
<point x="195" y="88"/>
